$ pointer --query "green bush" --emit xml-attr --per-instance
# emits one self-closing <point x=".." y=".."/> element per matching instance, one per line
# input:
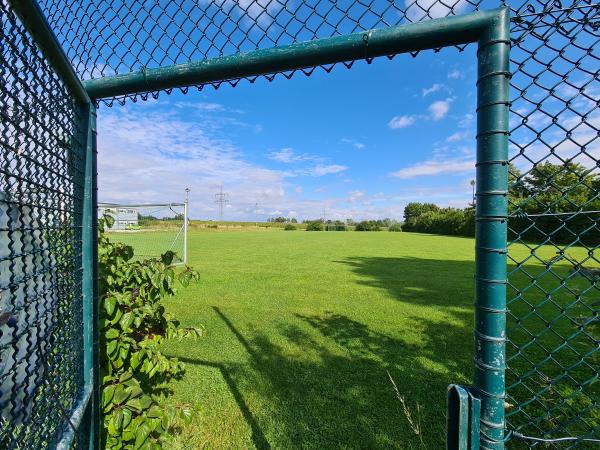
<point x="289" y="227"/>
<point x="395" y="227"/>
<point x="133" y="325"/>
<point x="338" y="225"/>
<point x="367" y="225"/>
<point x="315" y="225"/>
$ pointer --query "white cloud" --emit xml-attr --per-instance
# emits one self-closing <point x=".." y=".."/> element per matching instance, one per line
<point x="436" y="167"/>
<point x="455" y="75"/>
<point x="438" y="110"/>
<point x="321" y="170"/>
<point x="287" y="155"/>
<point x="436" y="87"/>
<point x="355" y="196"/>
<point x="466" y="121"/>
<point x="354" y="143"/>
<point x="401" y="122"/>
<point x="150" y="156"/>
<point x="458" y="136"/>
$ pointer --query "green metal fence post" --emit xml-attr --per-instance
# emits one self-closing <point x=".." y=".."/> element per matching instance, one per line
<point x="491" y="227"/>
<point x="87" y="241"/>
<point x="95" y="432"/>
<point x="90" y="275"/>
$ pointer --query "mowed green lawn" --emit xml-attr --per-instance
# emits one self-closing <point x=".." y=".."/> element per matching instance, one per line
<point x="302" y="329"/>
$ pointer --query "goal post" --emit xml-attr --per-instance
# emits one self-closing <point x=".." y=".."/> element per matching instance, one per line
<point x="152" y="229"/>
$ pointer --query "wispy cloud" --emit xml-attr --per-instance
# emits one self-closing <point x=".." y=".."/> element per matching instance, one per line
<point x="318" y="166"/>
<point x="354" y="143"/>
<point x="355" y="196"/>
<point x="466" y="121"/>
<point x="321" y="170"/>
<point x="436" y="87"/>
<point x="401" y="122"/>
<point x="209" y="107"/>
<point x="436" y="111"/>
<point x="456" y="75"/>
<point x="288" y="156"/>
<point x="436" y="167"/>
<point x="458" y="136"/>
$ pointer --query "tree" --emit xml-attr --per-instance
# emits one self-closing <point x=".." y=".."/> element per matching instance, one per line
<point x="315" y="225"/>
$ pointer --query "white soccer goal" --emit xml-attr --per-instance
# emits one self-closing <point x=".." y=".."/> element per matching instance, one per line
<point x="151" y="229"/>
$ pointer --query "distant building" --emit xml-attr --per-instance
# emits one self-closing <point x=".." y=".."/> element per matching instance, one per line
<point x="125" y="217"/>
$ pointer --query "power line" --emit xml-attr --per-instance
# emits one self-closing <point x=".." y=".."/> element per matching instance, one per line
<point x="221" y="198"/>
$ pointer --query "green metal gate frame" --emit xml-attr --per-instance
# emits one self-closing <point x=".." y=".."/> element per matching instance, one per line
<point x="490" y="29"/>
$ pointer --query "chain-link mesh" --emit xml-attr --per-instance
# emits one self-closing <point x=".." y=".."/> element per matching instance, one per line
<point x="152" y="230"/>
<point x="554" y="275"/>
<point x="41" y="367"/>
<point x="553" y="302"/>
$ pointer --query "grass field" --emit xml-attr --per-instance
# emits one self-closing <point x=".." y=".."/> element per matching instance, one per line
<point x="302" y="329"/>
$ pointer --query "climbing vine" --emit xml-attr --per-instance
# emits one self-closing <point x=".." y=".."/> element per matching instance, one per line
<point x="133" y="325"/>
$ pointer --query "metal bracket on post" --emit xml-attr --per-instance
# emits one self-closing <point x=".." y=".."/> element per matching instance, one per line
<point x="463" y="415"/>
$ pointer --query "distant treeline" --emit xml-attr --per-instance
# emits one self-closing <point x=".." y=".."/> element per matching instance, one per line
<point x="556" y="203"/>
<point x="349" y="224"/>
<point x="151" y="218"/>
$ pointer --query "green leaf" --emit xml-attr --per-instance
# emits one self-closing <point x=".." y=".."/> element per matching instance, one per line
<point x="111" y="347"/>
<point x="141" y="435"/>
<point x="109" y="305"/>
<point x="126" y="320"/>
<point x="121" y="395"/>
<point x="113" y="333"/>
<point x="125" y="376"/>
<point x="107" y="395"/>
<point x="117" y="420"/>
<point x="126" y="417"/>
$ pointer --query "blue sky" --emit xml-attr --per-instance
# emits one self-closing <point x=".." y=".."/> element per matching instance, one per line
<point x="356" y="143"/>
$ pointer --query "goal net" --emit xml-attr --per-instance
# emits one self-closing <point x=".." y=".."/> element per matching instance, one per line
<point x="151" y="229"/>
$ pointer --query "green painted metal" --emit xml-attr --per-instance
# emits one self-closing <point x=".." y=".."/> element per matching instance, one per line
<point x="368" y="44"/>
<point x="95" y="434"/>
<point x="491" y="30"/>
<point x="491" y="227"/>
<point x="457" y="417"/>
<point x="34" y="20"/>
<point x="463" y="416"/>
<point x="85" y="418"/>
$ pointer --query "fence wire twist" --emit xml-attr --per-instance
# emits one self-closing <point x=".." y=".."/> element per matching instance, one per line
<point x="552" y="353"/>
<point x="40" y="245"/>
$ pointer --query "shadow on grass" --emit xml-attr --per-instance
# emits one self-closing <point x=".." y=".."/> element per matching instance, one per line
<point x="339" y="394"/>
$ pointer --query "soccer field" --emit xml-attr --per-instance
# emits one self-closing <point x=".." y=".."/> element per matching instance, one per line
<point x="302" y="329"/>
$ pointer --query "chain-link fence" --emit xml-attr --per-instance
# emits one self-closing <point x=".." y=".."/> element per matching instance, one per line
<point x="41" y="187"/>
<point x="552" y="353"/>
<point x="554" y="297"/>
<point x="152" y="230"/>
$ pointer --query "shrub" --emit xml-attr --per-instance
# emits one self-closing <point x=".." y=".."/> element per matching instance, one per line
<point x="395" y="227"/>
<point x="315" y="225"/>
<point x="367" y="225"/>
<point x="133" y="325"/>
<point x="289" y="227"/>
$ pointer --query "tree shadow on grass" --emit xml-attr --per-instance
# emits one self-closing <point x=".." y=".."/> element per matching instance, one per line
<point x="338" y="395"/>
<point x="418" y="281"/>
